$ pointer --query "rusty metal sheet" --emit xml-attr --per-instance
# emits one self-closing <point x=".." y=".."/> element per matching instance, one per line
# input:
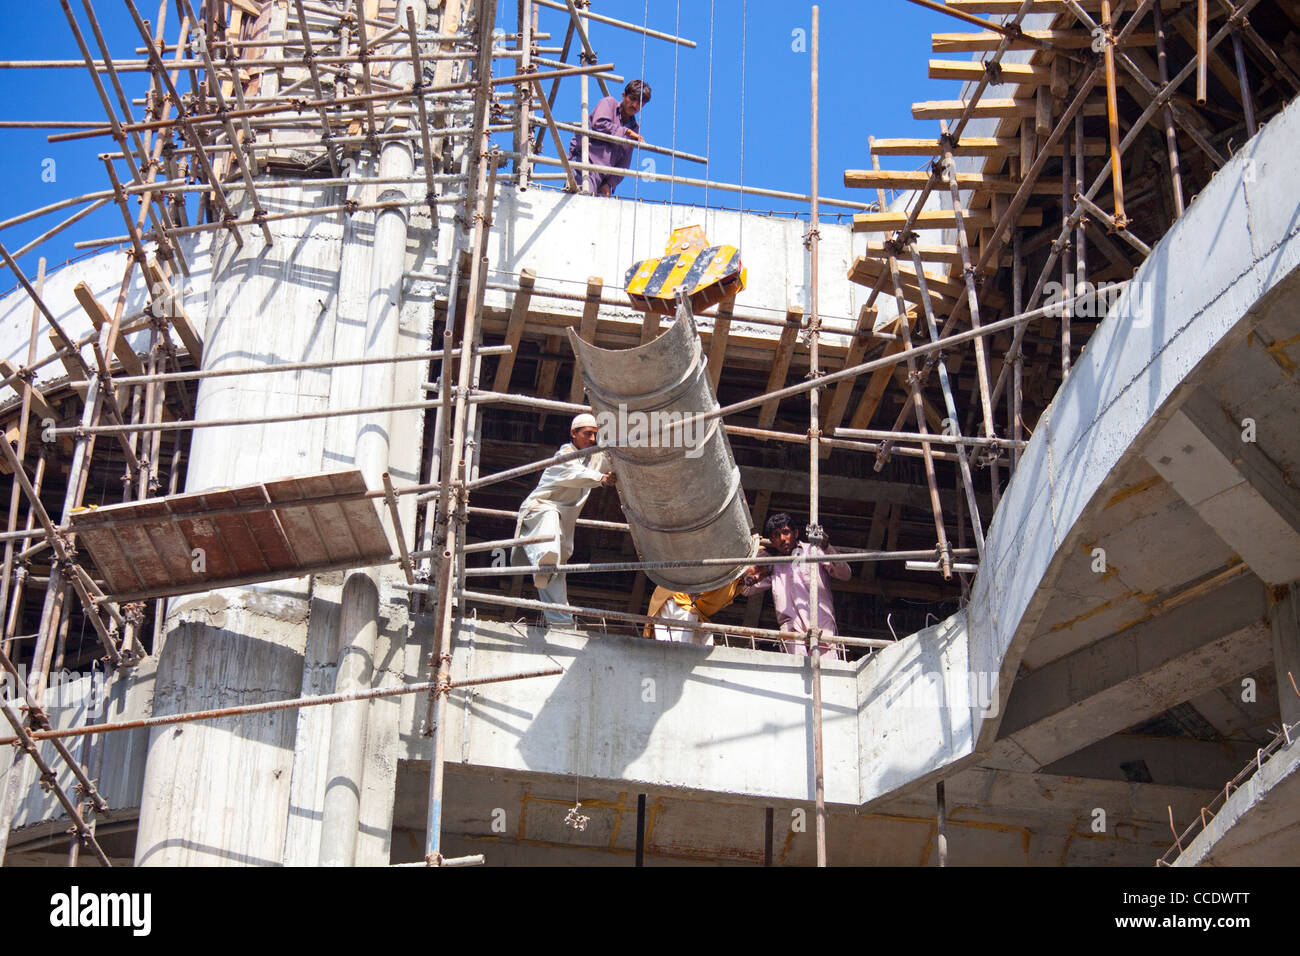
<point x="268" y="531"/>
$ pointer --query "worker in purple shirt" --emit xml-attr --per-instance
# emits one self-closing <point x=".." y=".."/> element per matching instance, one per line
<point x="612" y="117"/>
<point x="791" y="586"/>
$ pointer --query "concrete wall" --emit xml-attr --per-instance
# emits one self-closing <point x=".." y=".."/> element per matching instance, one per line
<point x="570" y="237"/>
<point x="720" y="719"/>
<point x="118" y="766"/>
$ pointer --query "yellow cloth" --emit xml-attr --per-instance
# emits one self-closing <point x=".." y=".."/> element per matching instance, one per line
<point x="705" y="605"/>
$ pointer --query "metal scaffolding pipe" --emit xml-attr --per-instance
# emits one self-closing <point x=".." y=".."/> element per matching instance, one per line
<point x="630" y="618"/>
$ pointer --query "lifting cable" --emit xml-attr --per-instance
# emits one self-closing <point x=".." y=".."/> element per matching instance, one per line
<point x="645" y="19"/>
<point x="672" y="166"/>
<point x="744" y="30"/>
<point x="708" y="122"/>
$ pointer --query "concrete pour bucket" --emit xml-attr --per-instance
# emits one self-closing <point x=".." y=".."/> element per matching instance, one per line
<point x="680" y="491"/>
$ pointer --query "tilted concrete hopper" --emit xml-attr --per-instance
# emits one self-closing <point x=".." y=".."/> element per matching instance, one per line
<point x="681" y="493"/>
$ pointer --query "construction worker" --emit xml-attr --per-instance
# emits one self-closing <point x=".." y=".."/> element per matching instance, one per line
<point x="613" y="117"/>
<point x="679" y="606"/>
<point x="552" y="510"/>
<point x="791" y="585"/>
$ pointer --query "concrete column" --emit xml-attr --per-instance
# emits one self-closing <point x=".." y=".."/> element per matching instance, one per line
<point x="358" y="627"/>
<point x="1284" y="616"/>
<point x="359" y="616"/>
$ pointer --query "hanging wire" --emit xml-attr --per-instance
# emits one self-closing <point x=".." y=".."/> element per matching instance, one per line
<point x="672" y="163"/>
<point x="645" y="19"/>
<point x="744" y="31"/>
<point x="708" y="121"/>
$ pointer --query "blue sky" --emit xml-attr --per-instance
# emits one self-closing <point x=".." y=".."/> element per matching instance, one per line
<point x="874" y="57"/>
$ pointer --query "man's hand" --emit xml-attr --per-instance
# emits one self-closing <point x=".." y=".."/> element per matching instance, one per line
<point x="633" y="135"/>
<point x="609" y="481"/>
<point x="603" y="190"/>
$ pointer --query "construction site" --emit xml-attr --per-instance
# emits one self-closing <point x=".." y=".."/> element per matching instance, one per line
<point x="397" y="488"/>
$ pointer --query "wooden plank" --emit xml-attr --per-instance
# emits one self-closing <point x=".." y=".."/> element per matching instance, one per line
<point x="1043" y="112"/>
<point x="875" y="391"/>
<point x="1028" y="73"/>
<point x="169" y="541"/>
<point x="587" y="329"/>
<point x="758" y="514"/>
<point x="1060" y="80"/>
<point x="943" y="289"/>
<point x="172" y="311"/>
<point x="201" y="532"/>
<point x="100" y="317"/>
<point x="937" y="219"/>
<point x="650" y="327"/>
<point x="930" y="252"/>
<point x="989" y="107"/>
<point x="70" y="365"/>
<point x="114" y="565"/>
<point x="268" y="537"/>
<point x="39" y="406"/>
<point x="515" y="329"/>
<point x="548" y="372"/>
<point x="969" y="146"/>
<point x="718" y="340"/>
<point x="833" y="412"/>
<point x="916" y="179"/>
<point x="781" y="363"/>
<point x="986" y="41"/>
<point x="876" y="536"/>
<point x="636" y="600"/>
<point x="312" y="534"/>
<point x="1009" y="7"/>
<point x="146" y="563"/>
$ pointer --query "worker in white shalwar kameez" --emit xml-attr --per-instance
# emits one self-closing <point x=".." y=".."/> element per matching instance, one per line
<point x="552" y="511"/>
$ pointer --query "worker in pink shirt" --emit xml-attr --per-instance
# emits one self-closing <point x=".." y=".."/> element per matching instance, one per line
<point x="791" y="586"/>
<point x="617" y="118"/>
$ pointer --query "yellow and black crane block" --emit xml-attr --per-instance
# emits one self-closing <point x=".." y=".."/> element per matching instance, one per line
<point x="708" y="274"/>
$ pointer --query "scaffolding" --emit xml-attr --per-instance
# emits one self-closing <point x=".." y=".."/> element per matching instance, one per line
<point x="298" y="86"/>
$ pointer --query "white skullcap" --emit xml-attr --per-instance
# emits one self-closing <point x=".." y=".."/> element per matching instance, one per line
<point x="585" y="420"/>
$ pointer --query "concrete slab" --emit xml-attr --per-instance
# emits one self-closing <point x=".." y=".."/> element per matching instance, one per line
<point x="722" y="720"/>
<point x="1259" y="824"/>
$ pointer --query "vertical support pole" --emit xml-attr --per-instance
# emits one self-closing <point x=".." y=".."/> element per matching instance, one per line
<point x="1067" y="276"/>
<point x="640" y="829"/>
<point x="1018" y="360"/>
<point x="768" y="822"/>
<point x="968" y="270"/>
<point x="1202" y="51"/>
<point x="478" y="163"/>
<point x="1284" y="621"/>
<point x="23" y="421"/>
<point x="941" y="801"/>
<point x="815" y="534"/>
<point x="524" y="96"/>
<point x="1081" y="228"/>
<point x="950" y="404"/>
<point x="586" y="115"/>
<point x="1171" y="135"/>
<point x="1112" y="115"/>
